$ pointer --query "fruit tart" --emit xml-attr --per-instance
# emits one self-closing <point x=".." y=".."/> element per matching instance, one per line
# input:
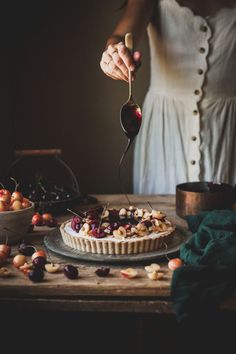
<point x="118" y="231"/>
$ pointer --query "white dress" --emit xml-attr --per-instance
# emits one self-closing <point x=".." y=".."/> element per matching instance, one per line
<point x="188" y="131"/>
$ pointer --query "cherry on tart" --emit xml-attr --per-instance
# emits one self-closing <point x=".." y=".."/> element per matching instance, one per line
<point x="75" y="223"/>
<point x="98" y="232"/>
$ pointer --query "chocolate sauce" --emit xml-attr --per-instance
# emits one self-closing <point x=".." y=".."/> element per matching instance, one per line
<point x="130" y="119"/>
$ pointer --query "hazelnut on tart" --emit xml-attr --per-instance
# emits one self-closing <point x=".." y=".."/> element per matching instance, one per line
<point x="117" y="231"/>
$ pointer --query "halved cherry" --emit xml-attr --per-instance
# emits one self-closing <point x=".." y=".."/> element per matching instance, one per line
<point x="98" y="232"/>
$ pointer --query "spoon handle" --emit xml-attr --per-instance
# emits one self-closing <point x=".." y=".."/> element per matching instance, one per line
<point x="129" y="45"/>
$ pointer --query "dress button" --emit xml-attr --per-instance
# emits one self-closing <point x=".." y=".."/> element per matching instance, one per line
<point x="203" y="28"/>
<point x="192" y="162"/>
<point x="197" y="92"/>
<point x="202" y="50"/>
<point x="200" y="71"/>
<point x="194" y="138"/>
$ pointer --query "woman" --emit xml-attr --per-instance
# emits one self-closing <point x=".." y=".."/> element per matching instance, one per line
<point x="189" y="112"/>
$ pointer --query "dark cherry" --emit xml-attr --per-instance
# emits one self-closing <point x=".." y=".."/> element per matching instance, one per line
<point x="75" y="223"/>
<point x="128" y="226"/>
<point x="93" y="224"/>
<point x="98" y="232"/>
<point x="39" y="262"/>
<point x="114" y="226"/>
<point x="70" y="271"/>
<point x="147" y="223"/>
<point x="26" y="249"/>
<point x="102" y="271"/>
<point x="36" y="275"/>
<point x="92" y="215"/>
<point x="114" y="214"/>
<point x="98" y="209"/>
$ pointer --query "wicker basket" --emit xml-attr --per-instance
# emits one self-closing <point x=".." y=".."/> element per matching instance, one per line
<point x="15" y="224"/>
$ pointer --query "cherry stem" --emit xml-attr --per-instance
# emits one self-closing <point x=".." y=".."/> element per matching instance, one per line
<point x="150" y="205"/>
<point x="105" y="207"/>
<point x="1" y="184"/>
<point x="80" y="215"/>
<point x="16" y="183"/>
<point x="128" y="200"/>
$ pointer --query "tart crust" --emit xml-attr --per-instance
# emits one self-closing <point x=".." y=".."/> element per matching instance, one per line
<point x="109" y="246"/>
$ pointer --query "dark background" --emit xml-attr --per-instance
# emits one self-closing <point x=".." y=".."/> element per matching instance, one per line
<point x="54" y="94"/>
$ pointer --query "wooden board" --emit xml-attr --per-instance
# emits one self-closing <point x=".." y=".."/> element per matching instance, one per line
<point x="54" y="242"/>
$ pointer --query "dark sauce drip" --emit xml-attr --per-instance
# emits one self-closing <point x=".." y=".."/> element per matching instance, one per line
<point x="131" y="119"/>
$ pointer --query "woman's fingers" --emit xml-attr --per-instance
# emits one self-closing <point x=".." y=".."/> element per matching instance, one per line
<point x="115" y="71"/>
<point x="126" y="57"/>
<point x="112" y="64"/>
<point x="113" y="51"/>
<point x="117" y="61"/>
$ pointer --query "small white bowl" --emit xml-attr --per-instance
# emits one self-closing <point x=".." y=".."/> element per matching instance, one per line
<point x="15" y="224"/>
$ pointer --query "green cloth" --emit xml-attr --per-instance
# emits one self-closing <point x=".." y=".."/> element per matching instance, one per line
<point x="209" y="273"/>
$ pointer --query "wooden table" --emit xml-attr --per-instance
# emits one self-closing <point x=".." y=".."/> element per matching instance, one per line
<point x="89" y="292"/>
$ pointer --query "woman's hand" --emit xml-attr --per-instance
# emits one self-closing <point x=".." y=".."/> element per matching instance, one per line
<point x="117" y="61"/>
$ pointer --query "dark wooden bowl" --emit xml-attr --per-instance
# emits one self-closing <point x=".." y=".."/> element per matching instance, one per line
<point x="194" y="197"/>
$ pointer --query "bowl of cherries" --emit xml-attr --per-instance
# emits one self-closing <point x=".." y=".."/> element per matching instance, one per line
<point x="16" y="213"/>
